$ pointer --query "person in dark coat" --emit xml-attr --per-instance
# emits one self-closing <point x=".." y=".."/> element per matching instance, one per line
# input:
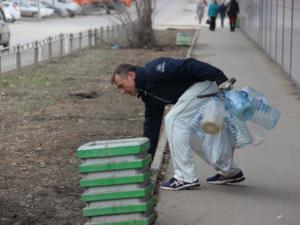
<point x="222" y="12"/>
<point x="178" y="82"/>
<point x="232" y="12"/>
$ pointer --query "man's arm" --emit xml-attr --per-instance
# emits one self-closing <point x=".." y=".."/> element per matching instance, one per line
<point x="201" y="71"/>
<point x="152" y="124"/>
<point x="167" y="69"/>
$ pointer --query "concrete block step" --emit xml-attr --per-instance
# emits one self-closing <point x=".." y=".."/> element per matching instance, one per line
<point x="104" y="208"/>
<point x="96" y="194"/>
<point x="115" y="178"/>
<point x="125" y="219"/>
<point x="118" y="147"/>
<point x="115" y="163"/>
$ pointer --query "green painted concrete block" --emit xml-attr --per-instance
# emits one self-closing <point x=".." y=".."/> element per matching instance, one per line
<point x="98" y="195"/>
<point x="98" y="166"/>
<point x="130" y="219"/>
<point x="123" y="207"/>
<point x="113" y="148"/>
<point x="98" y="180"/>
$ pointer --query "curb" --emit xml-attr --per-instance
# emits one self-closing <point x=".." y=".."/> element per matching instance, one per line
<point x="160" y="153"/>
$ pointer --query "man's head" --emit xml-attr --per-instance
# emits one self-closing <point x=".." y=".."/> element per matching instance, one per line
<point x="124" y="78"/>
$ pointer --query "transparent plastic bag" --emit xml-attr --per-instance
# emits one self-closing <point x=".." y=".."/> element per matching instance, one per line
<point x="213" y="113"/>
<point x="215" y="149"/>
<point x="238" y="131"/>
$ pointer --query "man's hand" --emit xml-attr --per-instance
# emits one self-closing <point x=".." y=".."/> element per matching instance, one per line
<point x="225" y="85"/>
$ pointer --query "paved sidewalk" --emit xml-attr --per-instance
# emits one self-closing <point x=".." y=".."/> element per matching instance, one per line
<point x="271" y="192"/>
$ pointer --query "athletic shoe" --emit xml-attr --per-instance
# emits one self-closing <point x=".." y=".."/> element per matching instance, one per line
<point x="219" y="179"/>
<point x="174" y="184"/>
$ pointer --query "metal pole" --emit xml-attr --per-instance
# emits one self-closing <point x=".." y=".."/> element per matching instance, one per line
<point x="36" y="52"/>
<point x="95" y="37"/>
<point x="18" y="55"/>
<point x="61" y="39"/>
<point x="39" y="9"/>
<point x="90" y="38"/>
<point x="50" y="47"/>
<point x="282" y="46"/>
<point x="71" y="43"/>
<point x="291" y="46"/>
<point x="0" y="63"/>
<point x="80" y="40"/>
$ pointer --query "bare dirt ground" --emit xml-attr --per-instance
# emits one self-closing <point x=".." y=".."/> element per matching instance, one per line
<point x="42" y="125"/>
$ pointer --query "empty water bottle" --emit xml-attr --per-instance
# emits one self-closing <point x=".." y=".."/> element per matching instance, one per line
<point x="238" y="131"/>
<point x="238" y="104"/>
<point x="252" y="93"/>
<point x="265" y="115"/>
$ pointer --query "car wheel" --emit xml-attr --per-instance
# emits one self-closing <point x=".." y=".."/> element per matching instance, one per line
<point x="71" y="14"/>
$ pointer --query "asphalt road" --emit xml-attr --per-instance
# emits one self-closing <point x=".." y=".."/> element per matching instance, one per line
<point x="30" y="30"/>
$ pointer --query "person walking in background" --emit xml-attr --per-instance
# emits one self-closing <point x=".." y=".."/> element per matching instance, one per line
<point x="213" y="13"/>
<point x="200" y="10"/>
<point x="222" y="12"/>
<point x="232" y="12"/>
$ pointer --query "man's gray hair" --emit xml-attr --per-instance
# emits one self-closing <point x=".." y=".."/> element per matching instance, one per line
<point x="122" y="70"/>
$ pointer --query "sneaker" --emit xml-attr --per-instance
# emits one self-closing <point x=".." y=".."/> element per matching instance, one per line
<point x="174" y="184"/>
<point x="219" y="179"/>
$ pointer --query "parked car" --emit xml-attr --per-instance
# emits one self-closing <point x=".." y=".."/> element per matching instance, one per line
<point x="4" y="30"/>
<point x="26" y="9"/>
<point x="72" y="7"/>
<point x="12" y="9"/>
<point x="44" y="11"/>
<point x="58" y="10"/>
<point x="8" y="16"/>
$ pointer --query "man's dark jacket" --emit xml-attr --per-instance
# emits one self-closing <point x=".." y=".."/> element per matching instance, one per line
<point x="162" y="81"/>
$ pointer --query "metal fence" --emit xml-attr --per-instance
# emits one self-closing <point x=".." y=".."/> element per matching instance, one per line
<point x="18" y="57"/>
<point x="275" y="26"/>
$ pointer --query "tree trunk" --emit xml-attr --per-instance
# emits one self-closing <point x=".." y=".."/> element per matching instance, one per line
<point x="138" y="28"/>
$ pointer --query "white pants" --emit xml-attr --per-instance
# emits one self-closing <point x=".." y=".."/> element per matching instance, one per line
<point x="178" y="133"/>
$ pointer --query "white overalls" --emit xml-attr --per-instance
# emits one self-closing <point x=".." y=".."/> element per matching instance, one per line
<point x="178" y="133"/>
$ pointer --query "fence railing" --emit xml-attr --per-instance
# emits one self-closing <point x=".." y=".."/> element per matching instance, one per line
<point x="20" y="56"/>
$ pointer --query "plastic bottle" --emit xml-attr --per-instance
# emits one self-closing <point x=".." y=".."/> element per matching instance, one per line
<point x="213" y="113"/>
<point x="238" y="131"/>
<point x="252" y="93"/>
<point x="195" y="125"/>
<point x="265" y="115"/>
<point x="238" y="104"/>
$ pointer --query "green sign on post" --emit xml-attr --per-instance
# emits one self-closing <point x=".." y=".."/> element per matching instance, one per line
<point x="183" y="38"/>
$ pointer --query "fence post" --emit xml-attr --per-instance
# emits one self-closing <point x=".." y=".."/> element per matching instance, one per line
<point x="113" y="33"/>
<point x="36" y="52"/>
<point x="50" y="47"/>
<point x="80" y="40"/>
<point x="95" y="37"/>
<point x="118" y="30"/>
<point x="18" y="55"/>
<point x="61" y="40"/>
<point x="101" y="34"/>
<point x="1" y="63"/>
<point x="90" y="33"/>
<point x="108" y="34"/>
<point x="71" y="43"/>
